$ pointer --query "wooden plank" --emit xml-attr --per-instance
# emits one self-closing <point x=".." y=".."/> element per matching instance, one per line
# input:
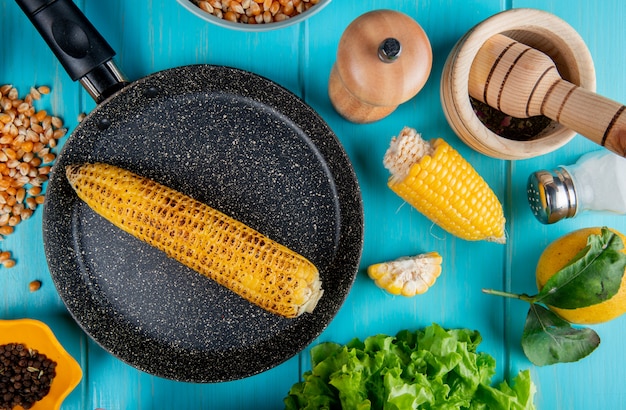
<point x="394" y="229"/>
<point x="572" y="386"/>
<point x="27" y="62"/>
<point x="155" y="35"/>
<point x="150" y="40"/>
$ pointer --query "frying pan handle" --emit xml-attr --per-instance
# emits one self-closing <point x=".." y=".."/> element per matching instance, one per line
<point x="83" y="52"/>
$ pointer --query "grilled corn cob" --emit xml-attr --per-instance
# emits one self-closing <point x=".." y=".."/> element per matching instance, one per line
<point x="407" y="276"/>
<point x="438" y="182"/>
<point x="236" y="256"/>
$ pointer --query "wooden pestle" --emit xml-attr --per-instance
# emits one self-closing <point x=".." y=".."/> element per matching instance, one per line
<point x="522" y="82"/>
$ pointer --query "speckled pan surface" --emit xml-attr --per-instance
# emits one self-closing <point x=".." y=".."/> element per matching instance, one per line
<point x="242" y="144"/>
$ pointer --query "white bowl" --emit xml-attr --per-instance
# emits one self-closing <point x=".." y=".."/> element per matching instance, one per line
<point x="189" y="5"/>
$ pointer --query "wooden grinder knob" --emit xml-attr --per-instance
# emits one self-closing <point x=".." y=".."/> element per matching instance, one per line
<point x="384" y="59"/>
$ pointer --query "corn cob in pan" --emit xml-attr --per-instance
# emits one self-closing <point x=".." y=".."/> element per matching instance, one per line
<point x="438" y="182"/>
<point x="236" y="256"/>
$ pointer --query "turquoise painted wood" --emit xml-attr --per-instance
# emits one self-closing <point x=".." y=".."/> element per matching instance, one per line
<point x="151" y="35"/>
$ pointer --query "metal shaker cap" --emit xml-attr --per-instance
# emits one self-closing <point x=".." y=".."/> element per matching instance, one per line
<point x="551" y="195"/>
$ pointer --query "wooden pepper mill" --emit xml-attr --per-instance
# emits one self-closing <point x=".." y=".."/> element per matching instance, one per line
<point x="384" y="59"/>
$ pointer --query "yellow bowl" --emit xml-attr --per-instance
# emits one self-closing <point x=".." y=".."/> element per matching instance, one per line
<point x="37" y="335"/>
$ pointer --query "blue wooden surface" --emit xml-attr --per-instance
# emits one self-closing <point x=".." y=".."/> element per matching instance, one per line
<point x="151" y="35"/>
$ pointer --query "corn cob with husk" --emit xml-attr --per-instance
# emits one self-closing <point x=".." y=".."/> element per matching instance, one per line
<point x="438" y="182"/>
<point x="236" y="256"/>
<point x="407" y="276"/>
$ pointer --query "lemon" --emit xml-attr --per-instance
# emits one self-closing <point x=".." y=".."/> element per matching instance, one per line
<point x="556" y="255"/>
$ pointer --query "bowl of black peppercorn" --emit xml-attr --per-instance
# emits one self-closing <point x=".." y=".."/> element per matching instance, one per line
<point x="36" y="372"/>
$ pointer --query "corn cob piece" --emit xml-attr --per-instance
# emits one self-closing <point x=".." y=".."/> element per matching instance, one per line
<point x="236" y="256"/>
<point x="407" y="276"/>
<point x="438" y="182"/>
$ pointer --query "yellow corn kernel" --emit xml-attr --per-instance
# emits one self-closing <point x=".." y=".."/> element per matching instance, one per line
<point x="442" y="185"/>
<point x="407" y="276"/>
<point x="236" y="256"/>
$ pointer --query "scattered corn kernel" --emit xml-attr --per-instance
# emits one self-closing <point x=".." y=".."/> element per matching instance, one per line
<point x="438" y="182"/>
<point x="26" y="139"/>
<point x="34" y="286"/>
<point x="9" y="263"/>
<point x="260" y="270"/>
<point x="407" y="276"/>
<point x="5" y="256"/>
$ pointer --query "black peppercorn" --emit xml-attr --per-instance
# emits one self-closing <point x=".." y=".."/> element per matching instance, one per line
<point x="506" y="126"/>
<point x="25" y="376"/>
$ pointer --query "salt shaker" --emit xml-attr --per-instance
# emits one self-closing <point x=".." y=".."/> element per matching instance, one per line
<point x="597" y="181"/>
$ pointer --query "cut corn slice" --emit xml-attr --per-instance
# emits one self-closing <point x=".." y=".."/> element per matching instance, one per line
<point x="407" y="276"/>
<point x="442" y="185"/>
<point x="236" y="256"/>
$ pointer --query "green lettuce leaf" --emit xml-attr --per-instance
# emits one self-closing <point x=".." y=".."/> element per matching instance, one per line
<point x="518" y="396"/>
<point x="432" y="368"/>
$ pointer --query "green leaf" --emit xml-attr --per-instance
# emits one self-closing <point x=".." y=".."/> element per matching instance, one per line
<point x="352" y="393"/>
<point x="593" y="276"/>
<point x="548" y="339"/>
<point x="404" y="394"/>
<point x="518" y="396"/>
<point x="431" y="368"/>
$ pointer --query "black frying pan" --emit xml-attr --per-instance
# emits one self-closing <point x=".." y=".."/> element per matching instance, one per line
<point x="235" y="140"/>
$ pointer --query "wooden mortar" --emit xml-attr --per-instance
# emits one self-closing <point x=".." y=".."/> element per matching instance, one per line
<point x="537" y="29"/>
<point x="524" y="82"/>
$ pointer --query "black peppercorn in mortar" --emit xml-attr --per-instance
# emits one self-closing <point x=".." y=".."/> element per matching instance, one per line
<point x="25" y="376"/>
<point x="517" y="129"/>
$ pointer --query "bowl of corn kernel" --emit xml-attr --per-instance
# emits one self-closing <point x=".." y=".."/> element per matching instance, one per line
<point x="254" y="15"/>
